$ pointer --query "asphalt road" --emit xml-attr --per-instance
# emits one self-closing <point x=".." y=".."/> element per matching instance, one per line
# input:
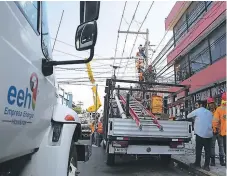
<point x="126" y="166"/>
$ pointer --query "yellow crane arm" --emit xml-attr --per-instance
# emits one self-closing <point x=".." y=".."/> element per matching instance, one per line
<point x="96" y="99"/>
<point x="90" y="73"/>
<point x="97" y="104"/>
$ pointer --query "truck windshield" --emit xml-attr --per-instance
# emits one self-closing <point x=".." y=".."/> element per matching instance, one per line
<point x="46" y="43"/>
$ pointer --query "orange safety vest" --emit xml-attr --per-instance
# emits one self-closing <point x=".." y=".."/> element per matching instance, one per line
<point x="92" y="127"/>
<point x="100" y="128"/>
<point x="219" y="120"/>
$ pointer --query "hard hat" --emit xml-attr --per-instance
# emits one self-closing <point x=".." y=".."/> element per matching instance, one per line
<point x="210" y="100"/>
<point x="223" y="96"/>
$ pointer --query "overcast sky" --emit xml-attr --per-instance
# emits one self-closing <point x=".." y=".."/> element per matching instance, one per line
<point x="108" y="24"/>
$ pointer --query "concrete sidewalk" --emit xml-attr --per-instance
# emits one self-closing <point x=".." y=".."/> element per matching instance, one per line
<point x="189" y="157"/>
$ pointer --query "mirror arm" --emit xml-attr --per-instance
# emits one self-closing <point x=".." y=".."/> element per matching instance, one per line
<point x="54" y="63"/>
<point x="47" y="65"/>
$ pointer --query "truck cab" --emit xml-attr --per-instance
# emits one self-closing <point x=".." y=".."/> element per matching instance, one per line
<point x="27" y="96"/>
<point x="38" y="134"/>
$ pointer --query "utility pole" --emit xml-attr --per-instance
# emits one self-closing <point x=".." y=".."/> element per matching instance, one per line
<point x="115" y="67"/>
<point x="146" y="42"/>
<point x="96" y="100"/>
<point x="147" y="49"/>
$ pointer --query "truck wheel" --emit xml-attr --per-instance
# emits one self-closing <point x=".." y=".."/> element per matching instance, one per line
<point x="72" y="163"/>
<point x="165" y="159"/>
<point x="104" y="145"/>
<point x="110" y="159"/>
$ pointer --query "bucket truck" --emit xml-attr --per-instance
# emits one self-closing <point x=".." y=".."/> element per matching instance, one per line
<point x="38" y="135"/>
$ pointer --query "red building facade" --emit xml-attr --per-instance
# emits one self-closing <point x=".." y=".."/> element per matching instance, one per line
<point x="199" y="53"/>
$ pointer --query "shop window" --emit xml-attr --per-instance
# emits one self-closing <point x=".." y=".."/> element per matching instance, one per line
<point x="195" y="10"/>
<point x="218" y="43"/>
<point x="180" y="29"/>
<point x="199" y="57"/>
<point x="182" y="69"/>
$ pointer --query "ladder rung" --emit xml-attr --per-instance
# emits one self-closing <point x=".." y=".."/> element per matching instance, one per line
<point x="148" y="124"/>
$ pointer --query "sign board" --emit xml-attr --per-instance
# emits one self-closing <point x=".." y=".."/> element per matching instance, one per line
<point x="218" y="90"/>
<point x="202" y="95"/>
<point x="157" y="104"/>
<point x="214" y="92"/>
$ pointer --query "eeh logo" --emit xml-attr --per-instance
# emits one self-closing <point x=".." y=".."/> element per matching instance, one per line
<point x="23" y="98"/>
<point x="34" y="88"/>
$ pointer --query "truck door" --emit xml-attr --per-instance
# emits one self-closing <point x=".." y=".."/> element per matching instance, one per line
<point x="26" y="96"/>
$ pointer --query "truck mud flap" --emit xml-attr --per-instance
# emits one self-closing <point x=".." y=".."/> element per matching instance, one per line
<point x="83" y="152"/>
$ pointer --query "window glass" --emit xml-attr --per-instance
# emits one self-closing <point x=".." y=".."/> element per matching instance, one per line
<point x="182" y="69"/>
<point x="180" y="29"/>
<point x="30" y="11"/>
<point x="218" y="43"/>
<point x="199" y="57"/>
<point x="46" y="44"/>
<point x="194" y="11"/>
<point x="208" y="4"/>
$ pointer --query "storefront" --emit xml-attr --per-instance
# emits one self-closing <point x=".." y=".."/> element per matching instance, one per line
<point x="214" y="91"/>
<point x="178" y="108"/>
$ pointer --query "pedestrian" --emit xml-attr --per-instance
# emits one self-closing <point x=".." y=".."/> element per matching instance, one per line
<point x="92" y="127"/>
<point x="100" y="132"/>
<point x="204" y="133"/>
<point x="219" y="121"/>
<point x="216" y="137"/>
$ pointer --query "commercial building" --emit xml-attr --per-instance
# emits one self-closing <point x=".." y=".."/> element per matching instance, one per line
<point x="199" y="53"/>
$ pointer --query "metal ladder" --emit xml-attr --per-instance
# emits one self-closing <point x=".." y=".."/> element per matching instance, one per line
<point x="139" y="112"/>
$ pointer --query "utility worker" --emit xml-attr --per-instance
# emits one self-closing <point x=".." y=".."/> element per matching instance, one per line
<point x="216" y="136"/>
<point x="92" y="127"/>
<point x="219" y="121"/>
<point x="100" y="132"/>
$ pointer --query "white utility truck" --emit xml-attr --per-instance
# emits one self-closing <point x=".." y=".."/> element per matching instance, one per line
<point x="131" y="129"/>
<point x="38" y="136"/>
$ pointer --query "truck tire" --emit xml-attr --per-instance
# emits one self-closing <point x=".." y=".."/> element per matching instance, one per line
<point x="165" y="159"/>
<point x="110" y="157"/>
<point x="72" y="163"/>
<point x="104" y="145"/>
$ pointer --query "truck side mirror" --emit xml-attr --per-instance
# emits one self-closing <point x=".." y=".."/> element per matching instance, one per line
<point x="86" y="36"/>
<point x="89" y="11"/>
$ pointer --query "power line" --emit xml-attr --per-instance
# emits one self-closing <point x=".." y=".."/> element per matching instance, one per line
<point x="189" y="35"/>
<point x="119" y="30"/>
<point x="60" y="41"/>
<point x="68" y="54"/>
<point x="106" y="77"/>
<point x="133" y="17"/>
<point x="139" y="31"/>
<point x="165" y="35"/>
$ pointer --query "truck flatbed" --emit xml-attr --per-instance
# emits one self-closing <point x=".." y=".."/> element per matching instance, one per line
<point x="172" y="129"/>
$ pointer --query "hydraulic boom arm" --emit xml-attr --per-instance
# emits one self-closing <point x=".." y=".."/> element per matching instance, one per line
<point x="96" y="99"/>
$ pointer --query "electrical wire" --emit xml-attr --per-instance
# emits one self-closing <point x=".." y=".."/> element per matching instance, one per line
<point x="60" y="41"/>
<point x="190" y="35"/>
<point x="68" y="54"/>
<point x="139" y="31"/>
<point x="119" y="30"/>
<point x="159" y="44"/>
<point x="157" y="59"/>
<point x="133" y="17"/>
